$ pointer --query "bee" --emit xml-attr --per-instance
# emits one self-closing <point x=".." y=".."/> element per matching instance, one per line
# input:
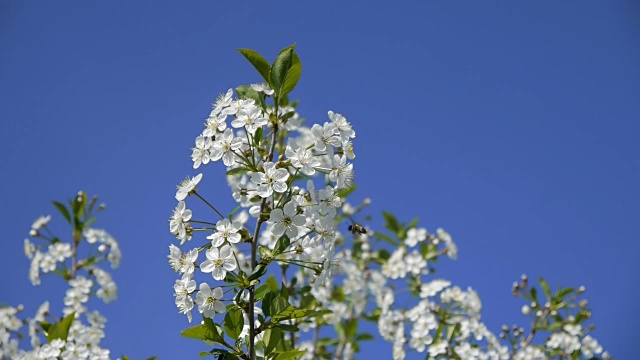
<point x="356" y="228"/>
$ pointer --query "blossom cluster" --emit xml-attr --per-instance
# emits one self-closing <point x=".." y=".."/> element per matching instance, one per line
<point x="295" y="179"/>
<point x="69" y="338"/>
<point x="239" y="133"/>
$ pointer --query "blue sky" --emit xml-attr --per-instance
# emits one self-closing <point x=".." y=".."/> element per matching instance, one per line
<point x="514" y="126"/>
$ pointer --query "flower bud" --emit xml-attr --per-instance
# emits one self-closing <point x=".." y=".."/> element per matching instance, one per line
<point x="526" y="310"/>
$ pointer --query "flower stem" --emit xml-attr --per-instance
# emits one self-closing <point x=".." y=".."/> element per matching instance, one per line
<point x="211" y="206"/>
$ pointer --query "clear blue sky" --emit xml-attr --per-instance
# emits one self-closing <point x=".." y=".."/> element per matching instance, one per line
<point x="514" y="126"/>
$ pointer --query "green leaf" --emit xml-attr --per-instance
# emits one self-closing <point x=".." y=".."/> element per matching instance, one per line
<point x="233" y="323"/>
<point x="237" y="171"/>
<point x="45" y="325"/>
<point x="391" y="222"/>
<point x="386" y="238"/>
<point x="384" y="254"/>
<point x="290" y="312"/>
<point x="288" y="115"/>
<point x="545" y="288"/>
<point x="338" y="294"/>
<point x="78" y="206"/>
<point x="278" y="305"/>
<point x="63" y="210"/>
<point x="286" y="355"/>
<point x="60" y="329"/>
<point x="124" y="357"/>
<point x="273" y="283"/>
<point x="350" y="328"/>
<point x="281" y="245"/>
<point x="258" y="61"/>
<point x="563" y="293"/>
<point x="257" y="137"/>
<point x="343" y="193"/>
<point x="271" y="339"/>
<point x="152" y="358"/>
<point x="261" y="291"/>
<point x="285" y="71"/>
<point x="534" y="294"/>
<point x="286" y="327"/>
<point x="293" y="75"/>
<point x="220" y="354"/>
<point x="258" y="272"/>
<point x="215" y="331"/>
<point x="364" y="337"/>
<point x="267" y="301"/>
<point x="196" y="332"/>
<point x="452" y="331"/>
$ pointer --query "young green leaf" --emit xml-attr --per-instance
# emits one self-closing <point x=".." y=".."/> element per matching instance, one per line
<point x="545" y="288"/>
<point x="237" y="171"/>
<point x="233" y="323"/>
<point x="60" y="329"/>
<point x="293" y="75"/>
<point x="62" y="210"/>
<point x="282" y="65"/>
<point x="271" y="339"/>
<point x="259" y="62"/>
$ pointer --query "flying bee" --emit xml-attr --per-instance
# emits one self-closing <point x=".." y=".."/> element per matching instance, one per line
<point x="356" y="228"/>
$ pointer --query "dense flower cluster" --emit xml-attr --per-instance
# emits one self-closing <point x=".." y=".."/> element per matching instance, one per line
<point x="444" y="320"/>
<point x="295" y="179"/>
<point x="84" y="330"/>
<point x="239" y="133"/>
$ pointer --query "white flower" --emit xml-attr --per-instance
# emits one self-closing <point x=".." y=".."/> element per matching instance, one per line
<point x="452" y="249"/>
<point x="60" y="251"/>
<point x="590" y="347"/>
<point x="201" y="154"/>
<point x="218" y="262"/>
<point x="108" y="292"/>
<point x="224" y="147"/>
<point x="183" y="263"/>
<point x="223" y="101"/>
<point x="415" y="235"/>
<point x="415" y="262"/>
<point x="573" y="329"/>
<point x="187" y="186"/>
<point x="251" y="118"/>
<point x="29" y="248"/>
<point x="41" y="222"/>
<point x="395" y="267"/>
<point x="34" y="269"/>
<point x="215" y="123"/>
<point x="344" y="127"/>
<point x="263" y="87"/>
<point x="208" y="301"/>
<point x="439" y="348"/>
<point x="287" y="221"/>
<point x="432" y="288"/>
<point x="326" y="135"/>
<point x="342" y="173"/>
<point x="271" y="180"/>
<point x="183" y="289"/>
<point x="181" y="215"/>
<point x="227" y="231"/>
<point x="302" y="158"/>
